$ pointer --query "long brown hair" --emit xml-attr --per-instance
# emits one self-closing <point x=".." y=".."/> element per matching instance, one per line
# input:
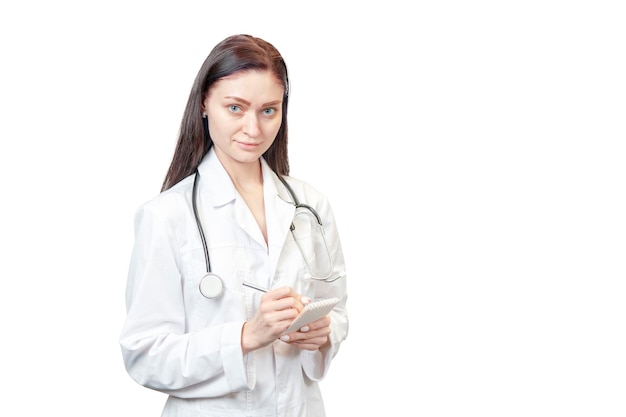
<point x="233" y="54"/>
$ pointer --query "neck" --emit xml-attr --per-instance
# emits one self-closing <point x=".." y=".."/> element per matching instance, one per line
<point x="245" y="176"/>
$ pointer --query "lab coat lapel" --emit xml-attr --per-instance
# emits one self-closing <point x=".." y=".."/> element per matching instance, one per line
<point x="245" y="219"/>
<point x="279" y="212"/>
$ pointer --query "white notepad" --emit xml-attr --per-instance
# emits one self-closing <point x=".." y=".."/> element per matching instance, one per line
<point x="311" y="312"/>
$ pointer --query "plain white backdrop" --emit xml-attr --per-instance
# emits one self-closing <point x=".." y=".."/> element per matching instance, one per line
<point x="473" y="153"/>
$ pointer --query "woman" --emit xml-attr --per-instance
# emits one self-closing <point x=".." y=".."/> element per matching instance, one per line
<point x="205" y="325"/>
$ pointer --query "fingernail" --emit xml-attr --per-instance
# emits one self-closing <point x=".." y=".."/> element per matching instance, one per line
<point x="284" y="338"/>
<point x="306" y="300"/>
<point x="304" y="329"/>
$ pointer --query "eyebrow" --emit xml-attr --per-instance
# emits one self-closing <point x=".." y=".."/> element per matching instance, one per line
<point x="247" y="103"/>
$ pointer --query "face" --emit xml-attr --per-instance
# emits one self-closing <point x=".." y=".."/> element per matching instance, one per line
<point x="244" y="112"/>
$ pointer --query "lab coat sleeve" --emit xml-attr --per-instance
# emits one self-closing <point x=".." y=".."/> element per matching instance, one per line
<point x="317" y="363"/>
<point x="157" y="350"/>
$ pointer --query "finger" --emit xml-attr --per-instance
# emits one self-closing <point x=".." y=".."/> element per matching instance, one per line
<point x="278" y="293"/>
<point x="322" y="323"/>
<point x="308" y="336"/>
<point x="310" y="344"/>
<point x="270" y="305"/>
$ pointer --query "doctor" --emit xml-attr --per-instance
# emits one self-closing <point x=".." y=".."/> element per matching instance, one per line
<point x="223" y="223"/>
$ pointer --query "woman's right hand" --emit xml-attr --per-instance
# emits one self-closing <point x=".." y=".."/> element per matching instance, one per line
<point x="276" y="311"/>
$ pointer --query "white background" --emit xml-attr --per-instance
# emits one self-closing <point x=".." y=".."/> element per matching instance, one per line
<point x="473" y="153"/>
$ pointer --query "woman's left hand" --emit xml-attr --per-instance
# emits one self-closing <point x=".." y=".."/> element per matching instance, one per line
<point x="313" y="336"/>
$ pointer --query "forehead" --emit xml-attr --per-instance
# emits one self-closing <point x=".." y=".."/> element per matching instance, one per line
<point x="248" y="84"/>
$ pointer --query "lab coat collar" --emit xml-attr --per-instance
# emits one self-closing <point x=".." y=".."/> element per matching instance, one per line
<point x="221" y="191"/>
<point x="279" y="209"/>
<point x="279" y="212"/>
<point x="222" y="188"/>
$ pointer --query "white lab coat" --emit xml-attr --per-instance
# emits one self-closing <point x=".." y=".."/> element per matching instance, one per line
<point x="176" y="341"/>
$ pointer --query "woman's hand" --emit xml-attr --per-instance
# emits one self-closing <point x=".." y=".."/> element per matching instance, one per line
<point x="276" y="311"/>
<point x="313" y="336"/>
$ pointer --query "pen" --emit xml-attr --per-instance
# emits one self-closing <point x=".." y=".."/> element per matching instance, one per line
<point x="255" y="287"/>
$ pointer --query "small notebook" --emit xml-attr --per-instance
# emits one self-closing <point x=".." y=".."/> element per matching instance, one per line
<point x="311" y="312"/>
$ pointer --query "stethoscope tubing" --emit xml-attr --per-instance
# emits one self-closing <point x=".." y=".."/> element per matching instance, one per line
<point x="200" y="229"/>
<point x="211" y="285"/>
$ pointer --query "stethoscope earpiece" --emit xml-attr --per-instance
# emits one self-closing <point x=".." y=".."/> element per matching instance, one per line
<point x="211" y="285"/>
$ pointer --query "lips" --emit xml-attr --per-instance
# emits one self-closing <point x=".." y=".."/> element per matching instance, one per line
<point x="248" y="144"/>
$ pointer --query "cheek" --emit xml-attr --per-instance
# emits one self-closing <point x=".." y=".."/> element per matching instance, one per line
<point x="273" y="128"/>
<point x="218" y="127"/>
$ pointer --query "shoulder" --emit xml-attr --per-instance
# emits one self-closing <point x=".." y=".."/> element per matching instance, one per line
<point x="305" y="191"/>
<point x="169" y="204"/>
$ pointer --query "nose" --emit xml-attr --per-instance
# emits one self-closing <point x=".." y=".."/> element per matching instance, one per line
<point x="251" y="125"/>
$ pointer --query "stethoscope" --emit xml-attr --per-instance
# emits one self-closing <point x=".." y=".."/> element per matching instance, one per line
<point x="211" y="285"/>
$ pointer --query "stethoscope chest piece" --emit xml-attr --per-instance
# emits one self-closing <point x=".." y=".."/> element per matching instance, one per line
<point x="211" y="285"/>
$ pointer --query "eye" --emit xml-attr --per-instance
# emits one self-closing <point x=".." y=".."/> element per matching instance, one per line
<point x="234" y="108"/>
<point x="269" y="111"/>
